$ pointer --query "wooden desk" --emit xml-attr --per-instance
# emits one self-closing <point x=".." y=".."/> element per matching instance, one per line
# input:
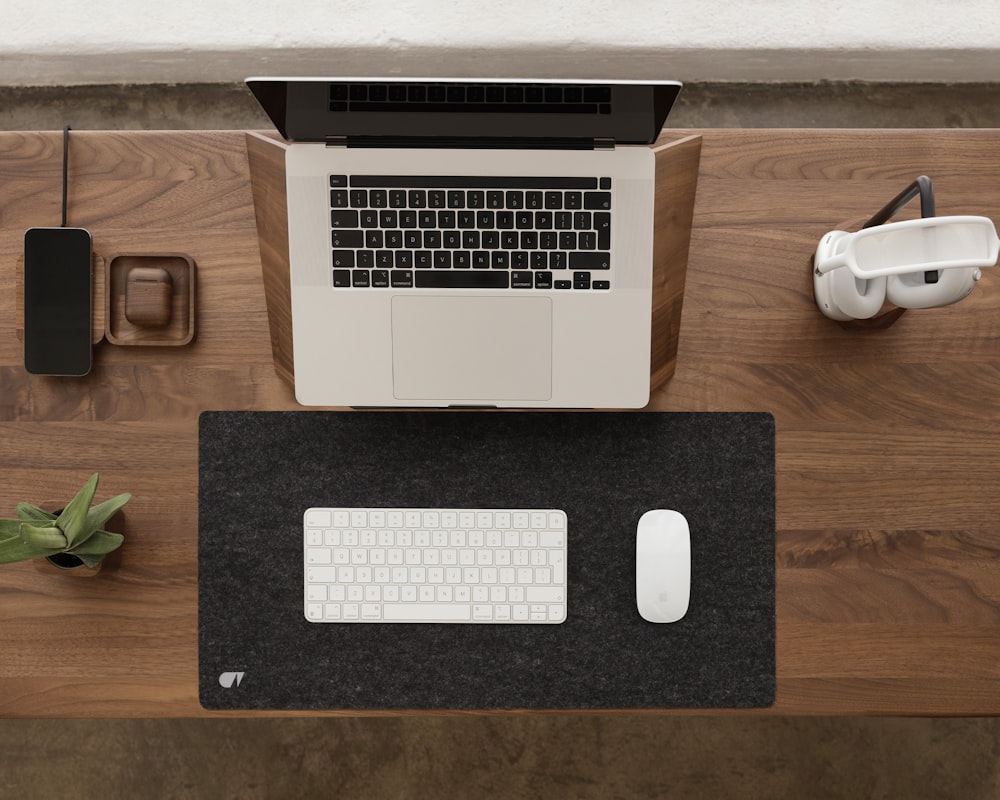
<point x="888" y="442"/>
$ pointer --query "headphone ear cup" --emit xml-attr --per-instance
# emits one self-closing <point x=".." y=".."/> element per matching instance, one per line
<point x="911" y="290"/>
<point x="843" y="297"/>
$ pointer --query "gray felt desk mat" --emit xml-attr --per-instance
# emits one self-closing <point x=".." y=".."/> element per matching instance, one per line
<point x="258" y="471"/>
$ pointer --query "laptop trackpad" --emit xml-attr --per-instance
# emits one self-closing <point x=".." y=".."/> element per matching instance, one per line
<point x="471" y="349"/>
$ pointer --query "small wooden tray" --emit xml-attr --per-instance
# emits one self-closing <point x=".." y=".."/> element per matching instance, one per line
<point x="180" y="328"/>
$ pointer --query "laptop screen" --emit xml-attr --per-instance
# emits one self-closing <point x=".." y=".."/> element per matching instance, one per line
<point x="314" y="109"/>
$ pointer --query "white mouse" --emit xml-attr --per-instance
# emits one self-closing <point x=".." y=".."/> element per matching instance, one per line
<point x="662" y="566"/>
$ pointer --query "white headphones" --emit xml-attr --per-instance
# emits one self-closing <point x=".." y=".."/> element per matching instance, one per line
<point x="918" y="263"/>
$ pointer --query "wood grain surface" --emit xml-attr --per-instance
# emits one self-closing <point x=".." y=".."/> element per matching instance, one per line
<point x="888" y="441"/>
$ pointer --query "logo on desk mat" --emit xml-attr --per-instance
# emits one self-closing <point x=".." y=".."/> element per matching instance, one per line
<point x="227" y="679"/>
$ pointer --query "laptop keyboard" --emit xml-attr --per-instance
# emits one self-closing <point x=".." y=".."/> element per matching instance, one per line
<point x="435" y="565"/>
<point x="454" y="232"/>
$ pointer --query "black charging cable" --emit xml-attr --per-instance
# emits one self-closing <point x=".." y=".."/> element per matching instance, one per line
<point x="65" y="174"/>
<point x="921" y="186"/>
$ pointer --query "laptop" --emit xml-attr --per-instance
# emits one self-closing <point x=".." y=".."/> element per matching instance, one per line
<point x="469" y="243"/>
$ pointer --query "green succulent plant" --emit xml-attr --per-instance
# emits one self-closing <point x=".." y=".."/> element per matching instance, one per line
<point x="37" y="533"/>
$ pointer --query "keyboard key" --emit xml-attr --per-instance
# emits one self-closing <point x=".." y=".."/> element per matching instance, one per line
<point x="360" y="278"/>
<point x="597" y="200"/>
<point x="423" y="612"/>
<point x="590" y="260"/>
<point x="343" y="258"/>
<point x="545" y="594"/>
<point x="348" y="238"/>
<point x="521" y="280"/>
<point x="344" y="219"/>
<point x="462" y="280"/>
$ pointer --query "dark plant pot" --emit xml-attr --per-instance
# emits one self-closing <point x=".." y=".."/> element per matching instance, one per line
<point x="66" y="560"/>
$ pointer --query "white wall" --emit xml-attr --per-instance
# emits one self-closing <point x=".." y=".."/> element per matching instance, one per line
<point x="57" y="42"/>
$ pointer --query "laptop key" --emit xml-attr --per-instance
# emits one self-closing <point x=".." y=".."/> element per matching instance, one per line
<point x="343" y="258"/>
<point x="401" y="279"/>
<point x="590" y="259"/>
<point x="602" y="222"/>
<point x="343" y="219"/>
<point x="522" y="280"/>
<point x="348" y="239"/>
<point x="380" y="278"/>
<point x="341" y="278"/>
<point x="360" y="278"/>
<point x="597" y="200"/>
<point x="462" y="280"/>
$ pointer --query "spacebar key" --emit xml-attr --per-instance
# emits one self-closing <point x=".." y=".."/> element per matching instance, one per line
<point x="438" y="279"/>
<point x="443" y="612"/>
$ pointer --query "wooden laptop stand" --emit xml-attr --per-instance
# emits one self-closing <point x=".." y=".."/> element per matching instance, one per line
<point x="676" y="183"/>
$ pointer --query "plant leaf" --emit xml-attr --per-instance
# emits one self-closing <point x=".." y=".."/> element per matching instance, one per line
<point x="102" y="512"/>
<point x="100" y="544"/>
<point x="15" y="548"/>
<point x="73" y="520"/>
<point x="43" y="538"/>
<point x="29" y="513"/>
<point x="10" y="528"/>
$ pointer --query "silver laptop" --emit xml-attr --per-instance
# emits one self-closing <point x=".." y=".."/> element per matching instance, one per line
<point x="467" y="242"/>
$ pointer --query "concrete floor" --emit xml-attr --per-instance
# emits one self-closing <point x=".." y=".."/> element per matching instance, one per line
<point x="572" y="755"/>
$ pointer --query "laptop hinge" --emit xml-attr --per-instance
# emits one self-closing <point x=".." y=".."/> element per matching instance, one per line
<point x="471" y="142"/>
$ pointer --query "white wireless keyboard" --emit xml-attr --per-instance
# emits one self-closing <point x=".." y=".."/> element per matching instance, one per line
<point x="459" y="565"/>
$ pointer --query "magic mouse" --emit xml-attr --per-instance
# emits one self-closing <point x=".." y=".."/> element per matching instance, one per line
<point x="662" y="566"/>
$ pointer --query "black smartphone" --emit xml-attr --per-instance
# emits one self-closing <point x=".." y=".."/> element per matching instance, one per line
<point x="57" y="301"/>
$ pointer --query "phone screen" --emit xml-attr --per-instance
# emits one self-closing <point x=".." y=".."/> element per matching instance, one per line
<point x="57" y="301"/>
